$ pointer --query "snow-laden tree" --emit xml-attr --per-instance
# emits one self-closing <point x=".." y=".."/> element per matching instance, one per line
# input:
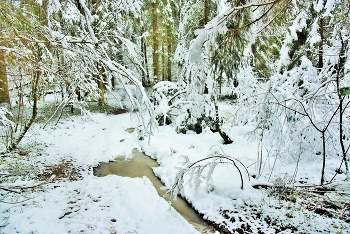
<point x="26" y="41"/>
<point x="95" y="34"/>
<point x="71" y="48"/>
<point x="303" y="113"/>
<point x="222" y="50"/>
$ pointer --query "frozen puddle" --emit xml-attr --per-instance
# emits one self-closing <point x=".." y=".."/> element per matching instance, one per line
<point x="141" y="165"/>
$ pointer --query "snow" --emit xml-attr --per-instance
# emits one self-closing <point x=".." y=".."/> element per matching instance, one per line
<point x="90" y="141"/>
<point x="330" y="4"/>
<point x="110" y="204"/>
<point x="318" y="6"/>
<point x="88" y="19"/>
<point x="195" y="50"/>
<point x="5" y="122"/>
<point x="218" y="180"/>
<point x="98" y="205"/>
<point x="115" y="204"/>
<point x="315" y="37"/>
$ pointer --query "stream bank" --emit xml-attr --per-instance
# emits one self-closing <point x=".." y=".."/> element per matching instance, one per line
<point x="141" y="165"/>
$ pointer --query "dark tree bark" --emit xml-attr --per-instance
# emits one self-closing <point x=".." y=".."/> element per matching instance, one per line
<point x="4" y="87"/>
<point x="155" y="38"/>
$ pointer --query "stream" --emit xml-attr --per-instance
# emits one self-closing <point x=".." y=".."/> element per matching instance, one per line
<point x="141" y="165"/>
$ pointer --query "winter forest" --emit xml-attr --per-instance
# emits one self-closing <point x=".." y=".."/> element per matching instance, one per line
<point x="243" y="106"/>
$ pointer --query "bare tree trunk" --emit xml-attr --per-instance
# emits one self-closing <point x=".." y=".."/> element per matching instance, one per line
<point x="320" y="48"/>
<point x="340" y="74"/>
<point x="224" y="136"/>
<point x="101" y="86"/>
<point x="155" y="38"/>
<point x="169" y="52"/>
<point x="145" y="73"/>
<point x="323" y="157"/>
<point x="35" y="85"/>
<point x="206" y="20"/>
<point x="164" y="64"/>
<point x="206" y="11"/>
<point x="4" y="87"/>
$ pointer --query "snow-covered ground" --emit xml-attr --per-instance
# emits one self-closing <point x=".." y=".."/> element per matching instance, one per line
<point x="110" y="204"/>
<point x="115" y="204"/>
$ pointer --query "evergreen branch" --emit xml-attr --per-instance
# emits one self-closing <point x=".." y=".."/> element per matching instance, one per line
<point x="268" y="24"/>
<point x="232" y="10"/>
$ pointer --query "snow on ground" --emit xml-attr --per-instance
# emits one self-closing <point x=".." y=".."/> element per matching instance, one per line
<point x="110" y="204"/>
<point x="115" y="204"/>
<point x="220" y="198"/>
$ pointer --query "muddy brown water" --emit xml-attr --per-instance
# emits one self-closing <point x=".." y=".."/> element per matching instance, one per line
<point x="141" y="165"/>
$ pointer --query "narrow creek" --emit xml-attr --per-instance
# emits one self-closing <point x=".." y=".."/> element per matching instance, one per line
<point x="141" y="165"/>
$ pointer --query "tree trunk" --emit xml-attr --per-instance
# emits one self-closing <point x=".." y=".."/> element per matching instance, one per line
<point x="164" y="64"/>
<point x="224" y="136"/>
<point x="4" y="86"/>
<point x="155" y="38"/>
<point x="320" y="48"/>
<point x="206" y="11"/>
<point x="35" y="85"/>
<point x="169" y="63"/>
<point x="145" y="73"/>
<point x="101" y="100"/>
<point x="340" y="74"/>
<point x="101" y="86"/>
<point x="323" y="158"/>
<point x="206" y="19"/>
<point x="169" y="52"/>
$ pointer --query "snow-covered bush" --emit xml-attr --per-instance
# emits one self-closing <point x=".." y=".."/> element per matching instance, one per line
<point x="188" y="111"/>
<point x="246" y="92"/>
<point x="299" y="115"/>
<point x="300" y="112"/>
<point x="166" y="99"/>
<point x="198" y="113"/>
<point x="200" y="172"/>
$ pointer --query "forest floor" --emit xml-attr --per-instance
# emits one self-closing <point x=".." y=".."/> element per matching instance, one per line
<point x="47" y="185"/>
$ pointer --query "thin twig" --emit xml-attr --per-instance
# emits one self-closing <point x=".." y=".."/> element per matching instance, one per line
<point x="13" y="203"/>
<point x="23" y="187"/>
